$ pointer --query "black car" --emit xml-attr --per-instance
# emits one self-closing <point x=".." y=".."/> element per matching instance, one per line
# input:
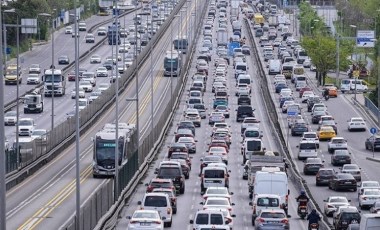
<point x="299" y="128"/>
<point x="372" y="143"/>
<point x="177" y="147"/>
<point x="311" y="101"/>
<point x="63" y="60"/>
<point x="108" y="64"/>
<point x="187" y="125"/>
<point x="312" y="166"/>
<point x="175" y="173"/>
<point x="244" y="111"/>
<point x="346" y="217"/>
<point x="341" y="157"/>
<point x="317" y="116"/>
<point x="343" y="181"/>
<point x="324" y="175"/>
<point x="280" y="86"/>
<point x="244" y="100"/>
<point x="183" y="133"/>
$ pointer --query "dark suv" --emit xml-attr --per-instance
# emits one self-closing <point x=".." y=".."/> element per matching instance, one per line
<point x="311" y="101"/>
<point x="244" y="100"/>
<point x="175" y="173"/>
<point x="244" y="111"/>
<point x="345" y="218"/>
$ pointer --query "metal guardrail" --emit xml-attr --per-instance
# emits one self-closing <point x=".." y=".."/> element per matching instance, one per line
<point x="371" y="107"/>
<point x="294" y="175"/>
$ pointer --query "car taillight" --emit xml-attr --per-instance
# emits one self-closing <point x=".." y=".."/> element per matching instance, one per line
<point x="149" y="188"/>
<point x="157" y="222"/>
<point x="330" y="206"/>
<point x="364" y="198"/>
<point x="261" y="220"/>
<point x="133" y="222"/>
<point x="228" y="220"/>
<point x="285" y="221"/>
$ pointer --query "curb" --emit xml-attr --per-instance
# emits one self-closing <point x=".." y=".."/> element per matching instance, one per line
<point x="373" y="159"/>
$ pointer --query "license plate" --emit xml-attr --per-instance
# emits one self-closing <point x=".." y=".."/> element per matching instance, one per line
<point x="377" y="146"/>
<point x="272" y="222"/>
<point x="303" y="210"/>
<point x="307" y="151"/>
<point x="347" y="182"/>
<point x="145" y="224"/>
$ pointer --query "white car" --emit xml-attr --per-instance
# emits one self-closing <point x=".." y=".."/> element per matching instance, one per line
<point x="219" y="151"/>
<point x="82" y="102"/>
<point x="368" y="197"/>
<point x="310" y="136"/>
<point x="333" y="202"/>
<point x="193" y="115"/>
<point x="74" y="93"/>
<point x="336" y="143"/>
<point x="103" y="86"/>
<point x="33" y="78"/>
<point x="101" y="72"/>
<point x="228" y="218"/>
<point x="86" y="86"/>
<point x="242" y="89"/>
<point x="217" y="192"/>
<point x="95" y="59"/>
<point x="286" y="92"/>
<point x="40" y="135"/>
<point x="35" y="68"/>
<point x="145" y="219"/>
<point x="286" y="104"/>
<point x="368" y="185"/>
<point x="217" y="202"/>
<point x="10" y="118"/>
<point x="356" y="123"/>
<point x="352" y="169"/>
<point x="94" y="95"/>
<point x="68" y="30"/>
<point x="306" y="95"/>
<point x="25" y="126"/>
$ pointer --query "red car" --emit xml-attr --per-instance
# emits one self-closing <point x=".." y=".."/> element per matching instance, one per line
<point x="306" y="88"/>
<point x="218" y="143"/>
<point x="71" y="76"/>
<point x="159" y="183"/>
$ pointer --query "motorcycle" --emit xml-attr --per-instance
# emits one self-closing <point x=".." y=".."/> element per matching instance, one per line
<point x="314" y="226"/>
<point x="302" y="211"/>
<point x="327" y="97"/>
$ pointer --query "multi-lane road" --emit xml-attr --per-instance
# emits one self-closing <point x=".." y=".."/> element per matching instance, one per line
<point x="47" y="198"/>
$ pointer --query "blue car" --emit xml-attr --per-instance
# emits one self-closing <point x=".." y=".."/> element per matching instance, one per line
<point x="283" y="99"/>
<point x="220" y="102"/>
<point x="299" y="128"/>
<point x="280" y="86"/>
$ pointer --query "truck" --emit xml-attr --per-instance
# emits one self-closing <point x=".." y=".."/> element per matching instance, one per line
<point x="236" y="26"/>
<point x="273" y="20"/>
<point x="12" y="75"/>
<point x="104" y="144"/>
<point x="113" y="34"/>
<point x="262" y="160"/>
<point x="54" y="77"/>
<point x="172" y="63"/>
<point x="33" y="103"/>
<point x="222" y="37"/>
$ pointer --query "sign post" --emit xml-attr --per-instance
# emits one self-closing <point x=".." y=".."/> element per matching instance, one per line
<point x="365" y="38"/>
<point x="373" y="131"/>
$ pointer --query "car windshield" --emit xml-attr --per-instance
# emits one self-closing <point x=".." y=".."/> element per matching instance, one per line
<point x="338" y="200"/>
<point x="155" y="201"/>
<point x="357" y="120"/>
<point x="370" y="184"/>
<point x="11" y="114"/>
<point x="26" y="122"/>
<point x="216" y="191"/>
<point x="145" y="215"/>
<point x="308" y="146"/>
<point x="214" y="173"/>
<point x="39" y="132"/>
<point x="272" y="215"/>
<point x="350" y="167"/>
<point x="372" y="192"/>
<point x="309" y="135"/>
<point x="268" y="202"/>
<point x="217" y="202"/>
<point x="169" y="172"/>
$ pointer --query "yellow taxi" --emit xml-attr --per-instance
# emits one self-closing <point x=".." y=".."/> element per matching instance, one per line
<point x="326" y="133"/>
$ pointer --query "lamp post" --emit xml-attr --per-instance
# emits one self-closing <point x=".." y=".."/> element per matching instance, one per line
<point x="13" y="11"/>
<point x="3" y="218"/>
<point x="352" y="56"/>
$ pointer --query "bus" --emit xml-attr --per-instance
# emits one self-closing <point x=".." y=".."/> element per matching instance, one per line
<point x="104" y="145"/>
<point x="172" y="63"/>
<point x="103" y="11"/>
<point x="181" y="44"/>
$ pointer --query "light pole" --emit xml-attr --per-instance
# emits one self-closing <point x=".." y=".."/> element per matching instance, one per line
<point x="13" y="11"/>
<point x="352" y="56"/>
<point x="3" y="218"/>
<point x="53" y="69"/>
<point x="337" y="58"/>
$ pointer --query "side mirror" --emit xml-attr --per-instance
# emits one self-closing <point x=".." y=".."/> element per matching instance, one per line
<point x="128" y="217"/>
<point x="250" y="203"/>
<point x="231" y="193"/>
<point x="233" y="215"/>
<point x="232" y="204"/>
<point x="146" y="184"/>
<point x="201" y="203"/>
<point x="138" y="202"/>
<point x="297" y="146"/>
<point x="191" y="221"/>
<point x="324" y="200"/>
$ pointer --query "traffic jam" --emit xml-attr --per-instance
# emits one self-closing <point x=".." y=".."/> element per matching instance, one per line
<point x="220" y="80"/>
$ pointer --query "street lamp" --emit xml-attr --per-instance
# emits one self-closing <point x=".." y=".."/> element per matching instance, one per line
<point x="378" y="79"/>
<point x="13" y="11"/>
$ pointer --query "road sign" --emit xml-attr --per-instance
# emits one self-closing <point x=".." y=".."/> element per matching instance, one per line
<point x="365" y="38"/>
<point x="373" y="130"/>
<point x="232" y="46"/>
<point x="8" y="50"/>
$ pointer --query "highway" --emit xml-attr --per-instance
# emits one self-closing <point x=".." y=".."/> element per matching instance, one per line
<point x="188" y="203"/>
<point x="47" y="198"/>
<point x="64" y="46"/>
<point x="342" y="109"/>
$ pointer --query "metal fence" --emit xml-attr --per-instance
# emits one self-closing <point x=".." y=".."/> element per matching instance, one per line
<point x="371" y="107"/>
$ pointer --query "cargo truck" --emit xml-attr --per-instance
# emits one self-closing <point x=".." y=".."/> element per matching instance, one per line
<point x="222" y="37"/>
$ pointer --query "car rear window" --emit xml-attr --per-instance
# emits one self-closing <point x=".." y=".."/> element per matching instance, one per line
<point x="155" y="201"/>
<point x="273" y="215"/>
<point x="268" y="202"/>
<point x="214" y="173"/>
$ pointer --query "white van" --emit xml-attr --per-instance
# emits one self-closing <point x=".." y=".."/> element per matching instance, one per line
<point x="160" y="202"/>
<point x="274" y="67"/>
<point x="244" y="79"/>
<point x="275" y="183"/>
<point x="240" y="68"/>
<point x="204" y="218"/>
<point x="370" y="222"/>
<point x="214" y="176"/>
<point x="264" y="201"/>
<point x="349" y="85"/>
<point x="307" y="149"/>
